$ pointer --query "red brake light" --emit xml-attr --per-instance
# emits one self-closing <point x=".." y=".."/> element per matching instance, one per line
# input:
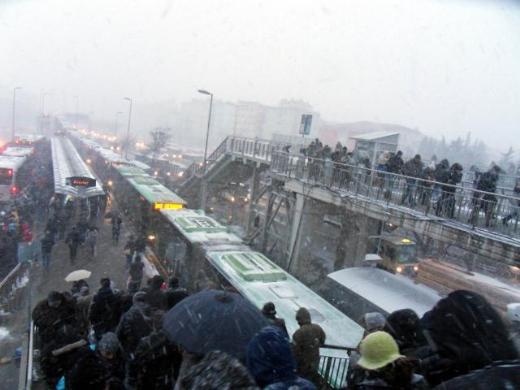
<point x="10" y="172"/>
<point x="14" y="189"/>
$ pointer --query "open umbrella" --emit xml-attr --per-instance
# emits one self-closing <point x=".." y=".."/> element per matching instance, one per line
<point x="78" y="275"/>
<point x="213" y="320"/>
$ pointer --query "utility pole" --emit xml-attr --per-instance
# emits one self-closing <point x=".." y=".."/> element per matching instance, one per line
<point x="13" y="131"/>
<point x="205" y="162"/>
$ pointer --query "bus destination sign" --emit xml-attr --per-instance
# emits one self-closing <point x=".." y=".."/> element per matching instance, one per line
<point x="80" y="181"/>
<point x="167" y="206"/>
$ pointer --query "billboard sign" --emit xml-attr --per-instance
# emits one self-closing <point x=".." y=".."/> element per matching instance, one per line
<point x="305" y="124"/>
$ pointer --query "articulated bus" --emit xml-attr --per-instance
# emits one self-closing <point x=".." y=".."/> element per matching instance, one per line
<point x="9" y="169"/>
<point x="204" y="254"/>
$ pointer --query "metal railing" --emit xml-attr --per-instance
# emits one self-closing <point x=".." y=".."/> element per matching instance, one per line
<point x="496" y="212"/>
<point x="333" y="365"/>
<point x="13" y="288"/>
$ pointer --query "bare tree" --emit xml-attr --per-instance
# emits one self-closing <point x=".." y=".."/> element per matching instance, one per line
<point x="160" y="136"/>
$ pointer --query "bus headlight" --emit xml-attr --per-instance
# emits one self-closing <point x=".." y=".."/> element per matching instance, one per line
<point x="110" y="183"/>
<point x="416" y="268"/>
<point x="399" y="269"/>
<point x="151" y="237"/>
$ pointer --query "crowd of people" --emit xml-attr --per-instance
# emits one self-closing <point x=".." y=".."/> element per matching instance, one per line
<point x="17" y="220"/>
<point x="114" y="339"/>
<point x="431" y="184"/>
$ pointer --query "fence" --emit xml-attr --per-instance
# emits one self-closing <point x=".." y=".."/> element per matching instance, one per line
<point x="492" y="211"/>
<point x="333" y="366"/>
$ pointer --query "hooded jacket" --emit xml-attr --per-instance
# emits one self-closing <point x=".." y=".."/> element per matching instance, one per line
<point x="271" y="362"/>
<point x="306" y="344"/>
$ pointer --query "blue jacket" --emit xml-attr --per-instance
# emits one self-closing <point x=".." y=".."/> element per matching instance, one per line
<point x="270" y="361"/>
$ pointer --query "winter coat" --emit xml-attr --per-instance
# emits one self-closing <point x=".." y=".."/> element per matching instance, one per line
<point x="270" y="361"/>
<point x="413" y="168"/>
<point x="136" y="270"/>
<point x="174" y="296"/>
<point x="217" y="371"/>
<point x="135" y="324"/>
<point x="82" y="312"/>
<point x="156" y="363"/>
<point x="306" y="347"/>
<point x="394" y="164"/>
<point x="105" y="311"/>
<point x="468" y="334"/>
<point x="91" y="237"/>
<point x="49" y="320"/>
<point x="87" y="372"/>
<point x="487" y="182"/>
<point x="156" y="298"/>
<point x="73" y="238"/>
<point x="499" y="376"/>
<point x="396" y="375"/>
<point x="47" y="242"/>
<point x="404" y="326"/>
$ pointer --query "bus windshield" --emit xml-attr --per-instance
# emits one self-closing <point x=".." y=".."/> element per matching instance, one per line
<point x="6" y="176"/>
<point x="406" y="254"/>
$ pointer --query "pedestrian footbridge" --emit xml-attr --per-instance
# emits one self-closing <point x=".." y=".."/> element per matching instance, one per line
<point x="464" y="219"/>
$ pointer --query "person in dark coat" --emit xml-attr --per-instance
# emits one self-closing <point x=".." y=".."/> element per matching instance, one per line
<point x="129" y="250"/>
<point x="404" y="326"/>
<point x="155" y="297"/>
<point x="487" y="182"/>
<point x="73" y="240"/>
<point x="413" y="168"/>
<point x="136" y="274"/>
<point x="105" y="310"/>
<point x="395" y="163"/>
<point x="448" y="191"/>
<point x="135" y="324"/>
<point x="156" y="363"/>
<point x="306" y="346"/>
<point x="111" y="356"/>
<point x="87" y="371"/>
<point x="52" y="313"/>
<point x="269" y="312"/>
<point x="270" y="361"/>
<point x="175" y="293"/>
<point x="467" y="334"/>
<point x="47" y="242"/>
<point x="216" y="370"/>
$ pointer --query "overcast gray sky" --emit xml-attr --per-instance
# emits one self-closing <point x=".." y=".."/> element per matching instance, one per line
<point x="446" y="67"/>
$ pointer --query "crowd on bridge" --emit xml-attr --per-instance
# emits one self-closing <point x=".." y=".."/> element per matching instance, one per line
<point x="431" y="184"/>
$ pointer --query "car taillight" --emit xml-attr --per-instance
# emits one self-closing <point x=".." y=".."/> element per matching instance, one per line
<point x="14" y="190"/>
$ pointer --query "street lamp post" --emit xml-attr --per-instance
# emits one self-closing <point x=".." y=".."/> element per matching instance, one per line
<point x="116" y="127"/>
<point x="128" y="127"/>
<point x="205" y="162"/>
<point x="14" y="112"/>
<point x="77" y="111"/>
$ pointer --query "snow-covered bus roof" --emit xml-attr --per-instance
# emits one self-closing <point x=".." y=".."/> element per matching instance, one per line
<point x="260" y="280"/>
<point x="12" y="162"/>
<point x="199" y="228"/>
<point x="18" y="151"/>
<point x="67" y="163"/>
<point x="387" y="291"/>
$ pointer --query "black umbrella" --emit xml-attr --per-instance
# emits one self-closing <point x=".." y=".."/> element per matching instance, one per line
<point x="213" y="320"/>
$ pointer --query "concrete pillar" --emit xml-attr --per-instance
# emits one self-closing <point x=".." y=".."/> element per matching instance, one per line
<point x="294" y="242"/>
<point x="254" y="193"/>
<point x="352" y="244"/>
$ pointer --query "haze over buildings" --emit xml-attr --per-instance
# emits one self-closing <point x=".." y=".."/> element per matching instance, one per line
<point x="444" y="68"/>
